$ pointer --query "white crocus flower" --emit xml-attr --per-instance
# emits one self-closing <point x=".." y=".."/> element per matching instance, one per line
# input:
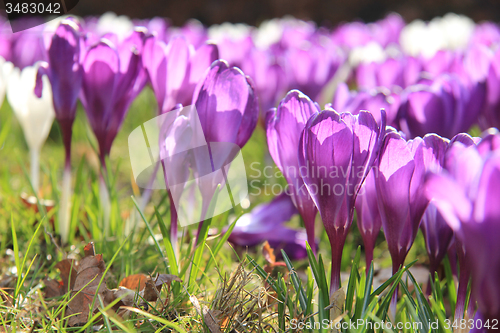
<point x="119" y="25"/>
<point x="458" y="30"/>
<point x="34" y="114"/>
<point x="232" y="31"/>
<point x="371" y="52"/>
<point x="5" y="70"/>
<point x="451" y="32"/>
<point x="268" y="33"/>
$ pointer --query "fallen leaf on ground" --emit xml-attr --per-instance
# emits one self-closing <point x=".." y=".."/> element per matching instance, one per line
<point x="270" y="257"/>
<point x="87" y="284"/>
<point x="211" y="320"/>
<point x="68" y="272"/>
<point x="135" y="281"/>
<point x="84" y="278"/>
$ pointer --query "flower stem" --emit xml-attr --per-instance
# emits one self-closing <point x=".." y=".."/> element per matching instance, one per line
<point x="35" y="168"/>
<point x="105" y="204"/>
<point x="64" y="209"/>
<point x="463" y="281"/>
<point x="173" y="223"/>
<point x="337" y="244"/>
<point x="66" y="194"/>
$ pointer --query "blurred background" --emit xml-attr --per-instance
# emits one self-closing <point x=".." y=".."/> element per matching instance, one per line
<point x="323" y="12"/>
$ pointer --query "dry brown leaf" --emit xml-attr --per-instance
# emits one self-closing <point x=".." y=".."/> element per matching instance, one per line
<point x="84" y="281"/>
<point x="135" y="281"/>
<point x="167" y="279"/>
<point x="151" y="291"/>
<point x="268" y="253"/>
<point x="68" y="272"/>
<point x="337" y="300"/>
<point x="89" y="275"/>
<point x="270" y="257"/>
<point x="89" y="249"/>
<point x="210" y="319"/>
<point x="31" y="202"/>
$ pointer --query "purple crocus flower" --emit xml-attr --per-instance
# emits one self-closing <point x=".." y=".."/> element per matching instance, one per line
<point x="193" y="31"/>
<point x="266" y="222"/>
<point x="284" y="127"/>
<point x="437" y="235"/>
<point x="400" y="193"/>
<point x="228" y="110"/>
<point x="113" y="77"/>
<point x="65" y="75"/>
<point x="226" y="104"/>
<point x="372" y="100"/>
<point x="233" y="40"/>
<point x="489" y="142"/>
<point x="28" y="46"/>
<point x="468" y="200"/>
<point x="400" y="72"/>
<point x="486" y="33"/>
<point x="267" y="75"/>
<point x="368" y="217"/>
<point x="387" y="30"/>
<point x="175" y="68"/>
<point x="491" y="114"/>
<point x="350" y="35"/>
<point x="336" y="151"/>
<point x="310" y="68"/>
<point x="402" y="202"/>
<point x="441" y="62"/>
<point x="445" y="107"/>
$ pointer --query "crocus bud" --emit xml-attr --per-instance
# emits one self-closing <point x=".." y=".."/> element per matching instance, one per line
<point x="34" y="114"/>
<point x="311" y="67"/>
<point x="6" y="68"/>
<point x="401" y="197"/>
<point x="112" y="79"/>
<point x="267" y="75"/>
<point x="27" y="46"/>
<point x="65" y="75"/>
<point x="284" y="127"/>
<point x="392" y="72"/>
<point x="491" y="114"/>
<point x="336" y="151"/>
<point x="468" y="201"/>
<point x="228" y="110"/>
<point x="175" y="68"/>
<point x="445" y="107"/>
<point x="372" y="100"/>
<point x="489" y="142"/>
<point x="227" y="105"/>
<point x="368" y="216"/>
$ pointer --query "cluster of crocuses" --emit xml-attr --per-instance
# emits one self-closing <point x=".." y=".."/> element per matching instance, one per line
<point x="440" y="77"/>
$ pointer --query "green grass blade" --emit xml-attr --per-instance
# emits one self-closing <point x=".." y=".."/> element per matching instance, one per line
<point x="172" y="260"/>
<point x="151" y="233"/>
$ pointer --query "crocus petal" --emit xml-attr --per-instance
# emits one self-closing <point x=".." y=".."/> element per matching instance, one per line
<point x="101" y="66"/>
<point x="368" y="216"/>
<point x="65" y="73"/>
<point x="395" y="171"/>
<point x="155" y="62"/>
<point x="284" y="127"/>
<point x="225" y="99"/>
<point x="34" y="114"/>
<point x="326" y="143"/>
